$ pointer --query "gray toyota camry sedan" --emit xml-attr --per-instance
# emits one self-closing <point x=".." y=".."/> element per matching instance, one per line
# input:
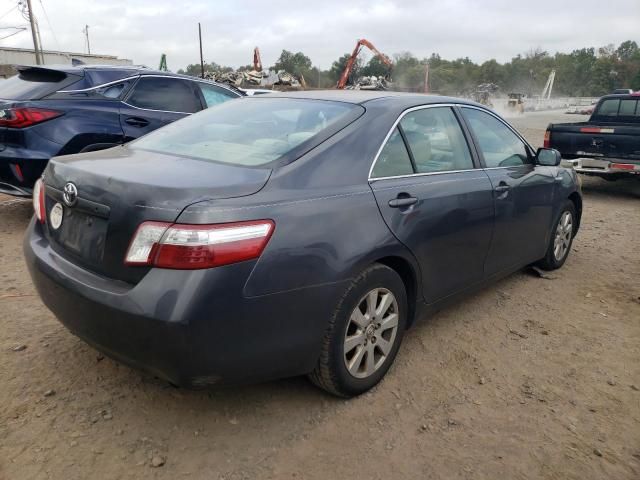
<point x="292" y="234"/>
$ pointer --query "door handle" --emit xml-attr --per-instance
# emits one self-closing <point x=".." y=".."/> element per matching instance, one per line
<point x="402" y="202"/>
<point x="137" y="121"/>
<point x="503" y="187"/>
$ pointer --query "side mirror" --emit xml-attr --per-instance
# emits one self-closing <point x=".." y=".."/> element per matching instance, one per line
<point x="548" y="157"/>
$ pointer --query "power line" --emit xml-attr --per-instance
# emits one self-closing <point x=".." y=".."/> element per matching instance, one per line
<point x="8" y="11"/>
<point x="46" y="16"/>
<point x="20" y="30"/>
<point x="24" y="10"/>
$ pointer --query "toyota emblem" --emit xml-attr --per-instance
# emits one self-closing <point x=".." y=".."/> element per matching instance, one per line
<point x="70" y="194"/>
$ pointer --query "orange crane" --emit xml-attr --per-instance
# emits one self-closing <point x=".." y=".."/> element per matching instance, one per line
<point x="347" y="69"/>
<point x="257" y="63"/>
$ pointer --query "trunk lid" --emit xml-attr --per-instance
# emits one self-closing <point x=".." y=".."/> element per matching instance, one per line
<point x="119" y="188"/>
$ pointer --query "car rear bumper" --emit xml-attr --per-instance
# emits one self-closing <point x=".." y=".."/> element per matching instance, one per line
<point x="193" y="328"/>
<point x="19" y="170"/>
<point x="604" y="166"/>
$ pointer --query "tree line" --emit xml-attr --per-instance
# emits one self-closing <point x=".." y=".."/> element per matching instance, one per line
<point x="583" y="72"/>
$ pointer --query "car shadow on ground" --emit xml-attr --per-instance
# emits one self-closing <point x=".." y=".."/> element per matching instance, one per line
<point x="85" y="365"/>
<point x="623" y="188"/>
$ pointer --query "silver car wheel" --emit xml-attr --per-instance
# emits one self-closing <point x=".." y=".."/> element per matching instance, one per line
<point x="371" y="332"/>
<point x="564" y="233"/>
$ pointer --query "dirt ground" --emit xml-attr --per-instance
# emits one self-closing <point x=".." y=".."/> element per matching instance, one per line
<point x="531" y="378"/>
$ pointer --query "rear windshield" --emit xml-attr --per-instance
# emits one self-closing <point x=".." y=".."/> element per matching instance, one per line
<point x="35" y="83"/>
<point x="250" y="131"/>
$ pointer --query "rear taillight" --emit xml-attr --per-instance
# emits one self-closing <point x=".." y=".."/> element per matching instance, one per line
<point x="22" y="117"/>
<point x="189" y="247"/>
<point x="547" y="139"/>
<point x="623" y="166"/>
<point x="597" y="130"/>
<point x="38" y="200"/>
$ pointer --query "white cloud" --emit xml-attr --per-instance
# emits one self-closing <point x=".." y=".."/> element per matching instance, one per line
<point x="325" y="30"/>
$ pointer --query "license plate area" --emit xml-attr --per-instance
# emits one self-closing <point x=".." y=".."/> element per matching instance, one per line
<point x="82" y="234"/>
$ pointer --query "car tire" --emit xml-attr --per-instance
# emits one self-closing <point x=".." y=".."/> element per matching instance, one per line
<point x="358" y="348"/>
<point x="561" y="239"/>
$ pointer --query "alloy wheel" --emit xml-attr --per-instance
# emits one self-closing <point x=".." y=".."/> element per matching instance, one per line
<point x="564" y="232"/>
<point x="371" y="332"/>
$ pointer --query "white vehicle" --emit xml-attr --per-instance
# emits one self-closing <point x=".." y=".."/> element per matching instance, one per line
<point x="256" y="91"/>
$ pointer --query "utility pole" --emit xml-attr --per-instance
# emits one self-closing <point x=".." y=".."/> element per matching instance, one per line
<point x="34" y="34"/>
<point x="201" y="59"/>
<point x="39" y="42"/>
<point x="86" y="34"/>
<point x="426" y="77"/>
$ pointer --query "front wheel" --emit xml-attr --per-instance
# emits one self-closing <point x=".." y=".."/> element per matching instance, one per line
<point x="364" y="333"/>
<point x="561" y="238"/>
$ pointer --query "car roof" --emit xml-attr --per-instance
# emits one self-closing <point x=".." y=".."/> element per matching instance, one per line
<point x="622" y="96"/>
<point x="363" y="96"/>
<point x="79" y="69"/>
<point x="123" y="72"/>
<point x="130" y="69"/>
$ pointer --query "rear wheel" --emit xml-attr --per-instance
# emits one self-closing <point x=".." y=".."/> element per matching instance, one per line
<point x="561" y="238"/>
<point x="364" y="333"/>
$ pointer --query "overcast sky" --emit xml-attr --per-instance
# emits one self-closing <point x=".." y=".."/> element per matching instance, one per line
<point x="323" y="29"/>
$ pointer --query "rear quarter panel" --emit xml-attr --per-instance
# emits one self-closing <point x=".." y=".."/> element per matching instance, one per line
<point x="84" y="123"/>
<point x="328" y="225"/>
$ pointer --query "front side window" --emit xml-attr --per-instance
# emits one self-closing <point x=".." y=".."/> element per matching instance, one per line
<point x="214" y="95"/>
<point x="165" y="93"/>
<point x="250" y="131"/>
<point x="500" y="147"/>
<point x="436" y="140"/>
<point x="394" y="158"/>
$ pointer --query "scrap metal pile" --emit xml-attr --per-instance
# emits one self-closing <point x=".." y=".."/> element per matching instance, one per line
<point x="257" y="76"/>
<point x="240" y="78"/>
<point x="370" y="83"/>
<point x="364" y="83"/>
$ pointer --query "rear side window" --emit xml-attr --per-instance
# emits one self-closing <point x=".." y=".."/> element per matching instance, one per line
<point x="609" y="107"/>
<point x="251" y="131"/>
<point x="165" y="93"/>
<point x="628" y="108"/>
<point x="35" y="83"/>
<point x="436" y="140"/>
<point x="114" y="90"/>
<point x="500" y="147"/>
<point x="394" y="158"/>
<point x="214" y="95"/>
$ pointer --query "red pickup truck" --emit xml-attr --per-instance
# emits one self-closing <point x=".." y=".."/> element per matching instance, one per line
<point x="608" y="145"/>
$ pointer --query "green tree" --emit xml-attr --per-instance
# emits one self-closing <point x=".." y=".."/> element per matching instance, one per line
<point x="375" y="66"/>
<point x="408" y="72"/>
<point x="583" y="72"/>
<point x="339" y="65"/>
<point x="491" y="72"/>
<point x="194" y="69"/>
<point x="628" y="51"/>
<point x="295" y="63"/>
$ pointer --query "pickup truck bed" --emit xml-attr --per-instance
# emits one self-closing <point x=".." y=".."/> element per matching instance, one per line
<point x="608" y="145"/>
